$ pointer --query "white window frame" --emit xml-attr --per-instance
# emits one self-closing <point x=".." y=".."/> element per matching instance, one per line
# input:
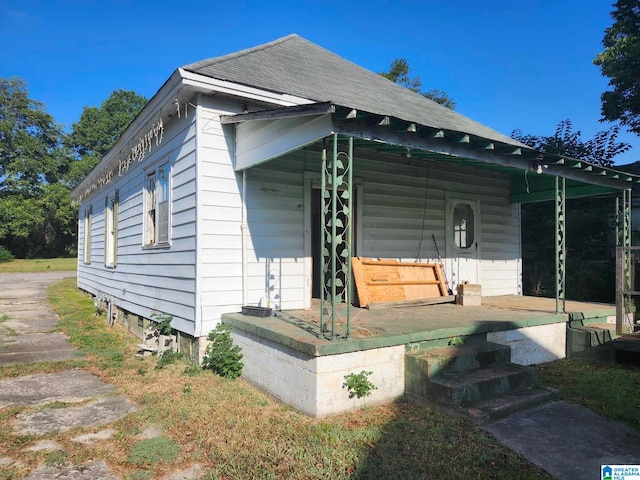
<point x="87" y="226"/>
<point x="157" y="206"/>
<point x="111" y="230"/>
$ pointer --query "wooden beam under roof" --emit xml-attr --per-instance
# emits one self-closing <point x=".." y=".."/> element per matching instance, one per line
<point x="506" y="157"/>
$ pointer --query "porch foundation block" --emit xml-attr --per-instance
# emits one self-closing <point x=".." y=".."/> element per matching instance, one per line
<point x="533" y="345"/>
<point x="314" y="384"/>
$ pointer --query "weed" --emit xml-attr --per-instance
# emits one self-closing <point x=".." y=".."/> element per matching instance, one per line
<point x="455" y="341"/>
<point x="55" y="458"/>
<point x="164" y="322"/>
<point x="152" y="451"/>
<point x="192" y="370"/>
<point x="187" y="388"/>
<point x="168" y="357"/>
<point x="222" y="356"/>
<point x="358" y="384"/>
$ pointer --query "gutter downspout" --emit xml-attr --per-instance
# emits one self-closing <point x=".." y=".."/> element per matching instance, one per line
<point x="243" y="228"/>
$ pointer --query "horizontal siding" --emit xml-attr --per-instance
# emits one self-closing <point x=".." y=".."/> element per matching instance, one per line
<point x="148" y="280"/>
<point x="395" y="223"/>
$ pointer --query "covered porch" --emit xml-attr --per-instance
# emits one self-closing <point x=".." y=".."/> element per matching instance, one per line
<point x="288" y="355"/>
<point x="340" y="136"/>
<point x="444" y="324"/>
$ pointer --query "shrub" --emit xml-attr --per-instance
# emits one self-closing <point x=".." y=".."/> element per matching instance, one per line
<point x="5" y="255"/>
<point x="222" y="356"/>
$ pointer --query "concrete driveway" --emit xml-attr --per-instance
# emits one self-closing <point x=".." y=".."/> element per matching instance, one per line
<point x="27" y="322"/>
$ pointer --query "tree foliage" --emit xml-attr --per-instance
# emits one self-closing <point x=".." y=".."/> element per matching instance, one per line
<point x="620" y="62"/>
<point x="98" y="129"/>
<point x="600" y="150"/>
<point x="588" y="223"/>
<point x="29" y="141"/>
<point x="39" y="166"/>
<point x="399" y="72"/>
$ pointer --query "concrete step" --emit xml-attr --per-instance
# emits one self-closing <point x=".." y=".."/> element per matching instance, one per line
<point x="467" y="388"/>
<point x="458" y="358"/>
<point x="505" y="405"/>
<point x="591" y="342"/>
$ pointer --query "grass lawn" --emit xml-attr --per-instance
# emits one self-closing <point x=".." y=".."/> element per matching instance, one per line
<point x="236" y="432"/>
<point x="611" y="391"/>
<point x="39" y="265"/>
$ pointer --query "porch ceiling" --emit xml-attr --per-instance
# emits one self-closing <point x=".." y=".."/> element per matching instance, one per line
<point x="532" y="172"/>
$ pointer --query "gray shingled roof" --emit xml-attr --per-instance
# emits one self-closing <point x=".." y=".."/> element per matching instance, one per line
<point x="295" y="66"/>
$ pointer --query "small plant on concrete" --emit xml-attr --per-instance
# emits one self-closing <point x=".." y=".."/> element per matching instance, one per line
<point x="222" y="356"/>
<point x="163" y="322"/>
<point x="358" y="384"/>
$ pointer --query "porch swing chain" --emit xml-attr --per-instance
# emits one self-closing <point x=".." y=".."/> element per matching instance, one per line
<point x="424" y="211"/>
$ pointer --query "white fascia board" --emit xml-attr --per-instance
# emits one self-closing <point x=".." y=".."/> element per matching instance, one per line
<point x="151" y="111"/>
<point x="214" y="85"/>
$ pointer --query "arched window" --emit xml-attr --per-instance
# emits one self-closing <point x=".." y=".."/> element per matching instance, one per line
<point x="463" y="225"/>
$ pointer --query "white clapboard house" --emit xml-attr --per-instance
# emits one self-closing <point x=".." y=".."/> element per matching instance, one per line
<point x="220" y="195"/>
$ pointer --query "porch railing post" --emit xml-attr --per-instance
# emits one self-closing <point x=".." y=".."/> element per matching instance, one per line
<point x="561" y="245"/>
<point x="348" y="251"/>
<point x="323" y="240"/>
<point x="336" y="237"/>
<point x="334" y="242"/>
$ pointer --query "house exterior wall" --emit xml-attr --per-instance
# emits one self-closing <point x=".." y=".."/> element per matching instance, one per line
<point x="146" y="280"/>
<point x="390" y="223"/>
<point x="199" y="277"/>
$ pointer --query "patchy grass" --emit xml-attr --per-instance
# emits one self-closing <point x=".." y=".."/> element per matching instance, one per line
<point x="236" y="432"/>
<point x="40" y="265"/>
<point x="611" y="391"/>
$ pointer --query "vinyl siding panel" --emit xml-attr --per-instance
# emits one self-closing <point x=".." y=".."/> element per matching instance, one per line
<point x="147" y="279"/>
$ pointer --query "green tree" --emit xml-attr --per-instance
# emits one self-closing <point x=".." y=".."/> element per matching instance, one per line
<point x="98" y="129"/>
<point x="620" y="62"/>
<point x="600" y="150"/>
<point x="399" y="72"/>
<point x="36" y="215"/>
<point x="588" y="223"/>
<point x="29" y="141"/>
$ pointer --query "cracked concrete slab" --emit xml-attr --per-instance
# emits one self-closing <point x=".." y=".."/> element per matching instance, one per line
<point x="96" y="413"/>
<point x="69" y="386"/>
<point x="44" y="445"/>
<point x="95" y="470"/>
<point x="26" y="320"/>
<point x="89" y="438"/>
<point x="192" y="473"/>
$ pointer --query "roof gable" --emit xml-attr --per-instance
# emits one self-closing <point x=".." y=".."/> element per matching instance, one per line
<point x="298" y="67"/>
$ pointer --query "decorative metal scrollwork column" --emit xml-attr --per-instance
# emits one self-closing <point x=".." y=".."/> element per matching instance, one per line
<point x="561" y="245"/>
<point x="623" y="239"/>
<point x="336" y="237"/>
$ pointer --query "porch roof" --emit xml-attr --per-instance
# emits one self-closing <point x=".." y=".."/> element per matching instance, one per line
<point x="268" y="134"/>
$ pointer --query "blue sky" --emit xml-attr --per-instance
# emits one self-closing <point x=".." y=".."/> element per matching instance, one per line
<point x="507" y="64"/>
